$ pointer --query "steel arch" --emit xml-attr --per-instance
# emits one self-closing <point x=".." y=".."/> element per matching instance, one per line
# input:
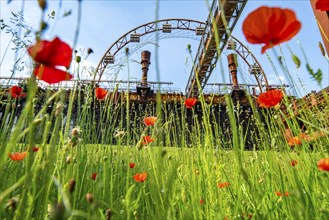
<point x="160" y="25"/>
<point x="176" y="24"/>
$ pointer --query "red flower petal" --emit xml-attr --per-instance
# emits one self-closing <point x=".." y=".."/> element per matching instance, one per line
<point x="93" y="176"/>
<point x="270" y="98"/>
<point x="190" y="102"/>
<point x="222" y="185"/>
<point x="140" y="177"/>
<point x="51" y="75"/>
<point x="16" y="92"/>
<point x="270" y="26"/>
<point x="18" y="156"/>
<point x="293" y="162"/>
<point x="322" y="5"/>
<point x="148" y="139"/>
<point x="132" y="165"/>
<point x="278" y="193"/>
<point x="323" y="164"/>
<point x="54" y="53"/>
<point x="100" y="93"/>
<point x="150" y="120"/>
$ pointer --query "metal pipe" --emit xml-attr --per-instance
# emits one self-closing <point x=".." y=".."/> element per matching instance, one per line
<point x="146" y="56"/>
<point x="232" y="64"/>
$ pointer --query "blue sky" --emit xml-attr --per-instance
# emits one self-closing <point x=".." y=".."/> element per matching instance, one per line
<point x="103" y="22"/>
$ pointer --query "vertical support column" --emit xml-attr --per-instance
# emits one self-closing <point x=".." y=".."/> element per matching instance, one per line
<point x="232" y="64"/>
<point x="146" y="56"/>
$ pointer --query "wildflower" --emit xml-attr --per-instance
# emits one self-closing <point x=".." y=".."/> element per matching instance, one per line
<point x="201" y="201"/>
<point x="323" y="164"/>
<point x="270" y="98"/>
<point x="293" y="162"/>
<point x="322" y="5"/>
<point x="148" y="139"/>
<point x="93" y="176"/>
<point x="140" y="177"/>
<point x="150" y="120"/>
<point x="48" y="56"/>
<point x="280" y="194"/>
<point x="16" y="92"/>
<point x="18" y="156"/>
<point x="132" y="165"/>
<point x="294" y="141"/>
<point x="270" y="26"/>
<point x="222" y="185"/>
<point x="100" y="93"/>
<point x="190" y="102"/>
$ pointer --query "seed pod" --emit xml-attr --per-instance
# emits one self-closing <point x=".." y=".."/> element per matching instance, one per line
<point x="89" y="197"/>
<point x="108" y="214"/>
<point x="90" y="51"/>
<point x="42" y="4"/>
<point x="71" y="185"/>
<point x="322" y="49"/>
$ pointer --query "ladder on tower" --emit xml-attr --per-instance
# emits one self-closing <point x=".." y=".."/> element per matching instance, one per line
<point x="209" y="51"/>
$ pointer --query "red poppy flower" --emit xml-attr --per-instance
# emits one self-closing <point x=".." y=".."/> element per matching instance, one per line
<point x="34" y="149"/>
<point x="150" y="120"/>
<point x="132" y="165"/>
<point x="323" y="164"/>
<point x="93" y="176"/>
<point x="190" y="102"/>
<point x="201" y="201"/>
<point x="16" y="92"/>
<point x="140" y="177"/>
<point x="148" y="139"/>
<point x="100" y="93"/>
<point x="322" y="5"/>
<point x="270" y="26"/>
<point x="294" y="141"/>
<point x="293" y="162"/>
<point x="18" y="156"/>
<point x="50" y="55"/>
<point x="278" y="193"/>
<point x="270" y="98"/>
<point x="222" y="185"/>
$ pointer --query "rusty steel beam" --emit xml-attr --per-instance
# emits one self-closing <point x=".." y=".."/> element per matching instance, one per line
<point x="222" y="17"/>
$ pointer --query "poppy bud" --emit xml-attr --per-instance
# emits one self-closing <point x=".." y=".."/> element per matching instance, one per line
<point x="108" y="214"/>
<point x="90" y="51"/>
<point x="68" y="159"/>
<point x="71" y="185"/>
<point x="89" y="197"/>
<point x="12" y="203"/>
<point x="75" y="131"/>
<point x="43" y="26"/>
<point x="59" y="108"/>
<point x="13" y="106"/>
<point x="78" y="59"/>
<point x="42" y="4"/>
<point x="59" y="211"/>
<point x="322" y="49"/>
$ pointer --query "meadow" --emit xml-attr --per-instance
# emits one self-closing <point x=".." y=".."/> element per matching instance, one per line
<point x="81" y="154"/>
